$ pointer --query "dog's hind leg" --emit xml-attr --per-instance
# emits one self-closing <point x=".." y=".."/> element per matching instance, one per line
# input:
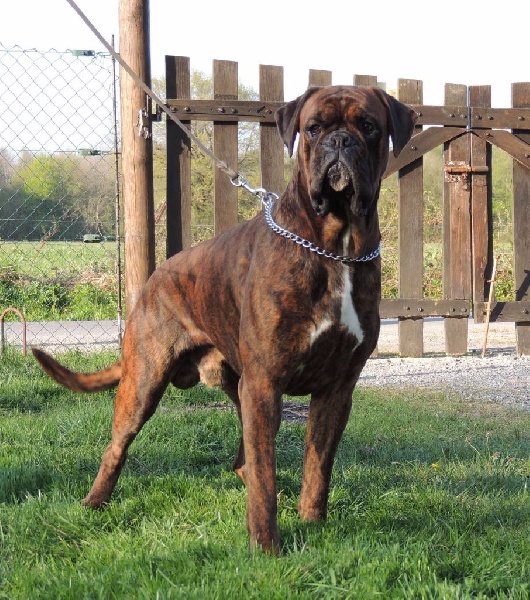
<point x="326" y="422"/>
<point x="229" y="385"/>
<point x="238" y="466"/>
<point x="137" y="397"/>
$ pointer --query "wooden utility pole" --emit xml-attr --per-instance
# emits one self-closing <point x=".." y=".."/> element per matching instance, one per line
<point x="137" y="149"/>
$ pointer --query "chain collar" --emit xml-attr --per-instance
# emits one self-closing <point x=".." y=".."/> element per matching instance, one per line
<point x="268" y="201"/>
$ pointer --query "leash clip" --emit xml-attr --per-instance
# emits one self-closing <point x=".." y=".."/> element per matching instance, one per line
<point x="261" y="193"/>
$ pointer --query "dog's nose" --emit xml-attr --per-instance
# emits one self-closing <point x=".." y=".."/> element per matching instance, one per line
<point x="340" y="139"/>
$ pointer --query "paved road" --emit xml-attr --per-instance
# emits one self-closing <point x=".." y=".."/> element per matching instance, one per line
<point x="501" y="336"/>
<point x="57" y="336"/>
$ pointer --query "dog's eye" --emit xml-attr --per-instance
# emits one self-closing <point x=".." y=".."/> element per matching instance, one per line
<point x="368" y="127"/>
<point x="314" y="131"/>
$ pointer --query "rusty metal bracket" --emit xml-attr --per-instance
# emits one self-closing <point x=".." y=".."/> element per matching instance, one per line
<point x="146" y="117"/>
<point x="460" y="171"/>
<point x="143" y="124"/>
<point x="23" y="321"/>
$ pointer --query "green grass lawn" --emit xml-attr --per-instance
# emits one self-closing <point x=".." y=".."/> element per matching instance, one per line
<point x="428" y="500"/>
<point x="53" y="260"/>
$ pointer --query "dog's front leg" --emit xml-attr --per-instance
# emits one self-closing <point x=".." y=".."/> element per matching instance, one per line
<point x="325" y="426"/>
<point x="260" y="417"/>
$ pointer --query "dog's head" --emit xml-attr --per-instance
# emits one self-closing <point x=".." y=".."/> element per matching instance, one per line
<point x="343" y="144"/>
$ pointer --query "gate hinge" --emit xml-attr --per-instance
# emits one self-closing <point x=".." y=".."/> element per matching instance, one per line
<point x="146" y="117"/>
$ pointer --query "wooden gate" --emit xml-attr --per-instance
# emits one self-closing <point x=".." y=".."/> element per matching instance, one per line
<point x="466" y="125"/>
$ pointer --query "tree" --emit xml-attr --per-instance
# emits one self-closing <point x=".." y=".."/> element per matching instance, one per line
<point x="59" y="196"/>
<point x="96" y="202"/>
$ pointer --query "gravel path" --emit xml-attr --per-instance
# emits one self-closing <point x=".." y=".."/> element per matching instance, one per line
<point x="499" y="377"/>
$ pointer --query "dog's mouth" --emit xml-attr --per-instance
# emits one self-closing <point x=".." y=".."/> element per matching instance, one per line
<point x="342" y="184"/>
<point x="339" y="179"/>
<point x="337" y="190"/>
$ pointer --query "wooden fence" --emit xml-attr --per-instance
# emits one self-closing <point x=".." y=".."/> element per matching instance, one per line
<point x="465" y="125"/>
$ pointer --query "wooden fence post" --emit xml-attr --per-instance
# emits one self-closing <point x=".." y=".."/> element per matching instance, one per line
<point x="178" y="160"/>
<point x="271" y="144"/>
<point x="319" y="77"/>
<point x="410" y="224"/>
<point x="457" y="229"/>
<point x="137" y="150"/>
<point x="521" y="223"/>
<point x="366" y="80"/>
<point x="225" y="147"/>
<point x="481" y="203"/>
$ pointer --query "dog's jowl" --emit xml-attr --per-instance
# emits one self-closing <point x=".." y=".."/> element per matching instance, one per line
<point x="260" y="315"/>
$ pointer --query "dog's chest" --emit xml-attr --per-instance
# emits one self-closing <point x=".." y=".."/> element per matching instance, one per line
<point x="338" y="314"/>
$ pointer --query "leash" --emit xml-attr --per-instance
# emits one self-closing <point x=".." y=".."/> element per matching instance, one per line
<point x="267" y="198"/>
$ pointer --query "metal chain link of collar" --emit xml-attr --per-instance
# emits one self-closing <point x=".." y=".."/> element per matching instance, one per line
<point x="268" y="199"/>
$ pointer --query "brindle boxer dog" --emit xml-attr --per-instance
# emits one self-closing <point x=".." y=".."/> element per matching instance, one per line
<point x="259" y="315"/>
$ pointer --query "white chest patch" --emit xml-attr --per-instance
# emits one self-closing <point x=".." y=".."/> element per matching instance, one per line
<point x="348" y="314"/>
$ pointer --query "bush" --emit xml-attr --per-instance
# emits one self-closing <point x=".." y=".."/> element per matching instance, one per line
<point x="55" y="300"/>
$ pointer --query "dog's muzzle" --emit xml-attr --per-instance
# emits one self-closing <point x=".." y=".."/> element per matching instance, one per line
<point x="342" y="176"/>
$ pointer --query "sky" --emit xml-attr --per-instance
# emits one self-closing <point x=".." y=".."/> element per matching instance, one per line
<point x="468" y="42"/>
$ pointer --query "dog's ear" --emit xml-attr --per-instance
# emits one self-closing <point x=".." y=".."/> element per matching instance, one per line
<point x="288" y="118"/>
<point x="402" y="120"/>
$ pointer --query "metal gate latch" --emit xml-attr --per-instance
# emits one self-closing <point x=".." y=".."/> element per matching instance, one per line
<point x="459" y="171"/>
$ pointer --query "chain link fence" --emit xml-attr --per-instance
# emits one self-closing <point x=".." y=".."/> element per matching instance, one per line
<point x="60" y="266"/>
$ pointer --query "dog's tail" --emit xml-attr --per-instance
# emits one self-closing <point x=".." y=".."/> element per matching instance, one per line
<point x="79" y="382"/>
